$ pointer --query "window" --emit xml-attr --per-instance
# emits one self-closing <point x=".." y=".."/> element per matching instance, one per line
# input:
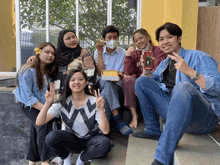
<point x="89" y="21"/>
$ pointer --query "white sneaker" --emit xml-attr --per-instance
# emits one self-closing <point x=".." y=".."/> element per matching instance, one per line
<point x="57" y="161"/>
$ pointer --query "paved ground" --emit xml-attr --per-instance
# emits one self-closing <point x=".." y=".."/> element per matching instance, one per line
<point x="116" y="156"/>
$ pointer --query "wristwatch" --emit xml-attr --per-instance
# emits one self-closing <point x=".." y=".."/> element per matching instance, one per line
<point x="196" y="76"/>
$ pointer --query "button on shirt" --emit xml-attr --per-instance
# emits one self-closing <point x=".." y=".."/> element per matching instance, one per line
<point x="202" y="63"/>
<point x="114" y="61"/>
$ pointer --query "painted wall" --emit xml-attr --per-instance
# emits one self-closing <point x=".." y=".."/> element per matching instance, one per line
<point x="181" y="12"/>
<point x="7" y="36"/>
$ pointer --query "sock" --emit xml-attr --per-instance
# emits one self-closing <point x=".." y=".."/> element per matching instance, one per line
<point x="79" y="161"/>
<point x="112" y="144"/>
<point x="156" y="162"/>
<point x="122" y="127"/>
<point x="57" y="160"/>
<point x="67" y="160"/>
<point x="143" y="134"/>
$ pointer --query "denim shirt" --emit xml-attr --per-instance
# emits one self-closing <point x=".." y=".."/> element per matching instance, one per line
<point x="202" y="63"/>
<point x="27" y="90"/>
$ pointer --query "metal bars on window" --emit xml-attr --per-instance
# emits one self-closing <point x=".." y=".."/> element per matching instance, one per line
<point x="18" y="27"/>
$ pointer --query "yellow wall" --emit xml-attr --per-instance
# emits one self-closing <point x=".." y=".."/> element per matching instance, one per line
<point x="7" y="36"/>
<point x="181" y="12"/>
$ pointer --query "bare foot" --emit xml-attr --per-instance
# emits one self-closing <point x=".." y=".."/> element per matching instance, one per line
<point x="134" y="122"/>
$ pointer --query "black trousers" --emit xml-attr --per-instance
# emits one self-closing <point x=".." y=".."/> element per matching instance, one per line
<point x="64" y="142"/>
<point x="38" y="150"/>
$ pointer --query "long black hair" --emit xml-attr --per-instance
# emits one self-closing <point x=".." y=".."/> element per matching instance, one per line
<point x="66" y="89"/>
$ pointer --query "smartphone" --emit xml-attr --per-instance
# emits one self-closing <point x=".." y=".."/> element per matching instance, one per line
<point x="148" y="64"/>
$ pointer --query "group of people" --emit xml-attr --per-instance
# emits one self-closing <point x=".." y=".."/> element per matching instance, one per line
<point x="182" y="87"/>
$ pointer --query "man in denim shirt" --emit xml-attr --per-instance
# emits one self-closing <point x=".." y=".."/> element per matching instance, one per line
<point x="184" y="90"/>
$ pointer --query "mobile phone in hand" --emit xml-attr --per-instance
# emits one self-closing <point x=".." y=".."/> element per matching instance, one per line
<point x="148" y="63"/>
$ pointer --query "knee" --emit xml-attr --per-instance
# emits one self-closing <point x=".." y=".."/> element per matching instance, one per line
<point x="105" y="146"/>
<point x="104" y="142"/>
<point x="106" y="85"/>
<point x="51" y="138"/>
<point x="142" y="81"/>
<point x="128" y="82"/>
<point x="128" y="79"/>
<point x="183" y="87"/>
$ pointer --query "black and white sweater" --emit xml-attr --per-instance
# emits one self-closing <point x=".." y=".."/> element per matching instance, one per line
<point x="82" y="121"/>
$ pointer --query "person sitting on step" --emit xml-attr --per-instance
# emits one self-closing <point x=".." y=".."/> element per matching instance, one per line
<point x="184" y="90"/>
<point x="111" y="57"/>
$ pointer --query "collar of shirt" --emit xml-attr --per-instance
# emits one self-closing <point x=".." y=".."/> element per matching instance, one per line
<point x="106" y="52"/>
<point x="181" y="52"/>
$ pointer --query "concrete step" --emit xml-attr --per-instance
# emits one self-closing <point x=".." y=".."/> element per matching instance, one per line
<point x="140" y="151"/>
<point x="117" y="155"/>
<point x="197" y="150"/>
<point x="7" y="81"/>
<point x="191" y="150"/>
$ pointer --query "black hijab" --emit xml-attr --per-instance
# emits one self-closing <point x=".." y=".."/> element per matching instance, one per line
<point x="66" y="55"/>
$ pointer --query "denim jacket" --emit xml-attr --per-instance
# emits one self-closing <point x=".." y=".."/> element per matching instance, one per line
<point x="202" y="63"/>
<point x="27" y="90"/>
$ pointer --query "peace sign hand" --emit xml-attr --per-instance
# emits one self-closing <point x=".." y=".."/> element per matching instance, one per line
<point x="99" y="101"/>
<point x="50" y="94"/>
<point x="180" y="64"/>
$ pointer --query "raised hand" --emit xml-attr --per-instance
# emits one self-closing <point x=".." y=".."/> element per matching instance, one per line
<point x="146" y="71"/>
<point x="99" y="101"/>
<point x="99" y="45"/>
<point x="180" y="64"/>
<point x="130" y="50"/>
<point x="31" y="59"/>
<point x="50" y="95"/>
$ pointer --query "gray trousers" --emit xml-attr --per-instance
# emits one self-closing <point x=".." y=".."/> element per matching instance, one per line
<point x="112" y="94"/>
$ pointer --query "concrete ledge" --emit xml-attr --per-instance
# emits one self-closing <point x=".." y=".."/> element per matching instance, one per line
<point x="197" y="149"/>
<point x="140" y="151"/>
<point x="7" y="81"/>
<point x="14" y="130"/>
<point x="192" y="150"/>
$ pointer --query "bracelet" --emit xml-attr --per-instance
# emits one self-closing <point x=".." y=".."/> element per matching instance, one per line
<point x="147" y="74"/>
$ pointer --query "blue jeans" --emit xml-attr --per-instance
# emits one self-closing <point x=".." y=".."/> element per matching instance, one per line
<point x="186" y="110"/>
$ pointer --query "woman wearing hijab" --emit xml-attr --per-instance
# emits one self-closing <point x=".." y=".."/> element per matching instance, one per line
<point x="68" y="49"/>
